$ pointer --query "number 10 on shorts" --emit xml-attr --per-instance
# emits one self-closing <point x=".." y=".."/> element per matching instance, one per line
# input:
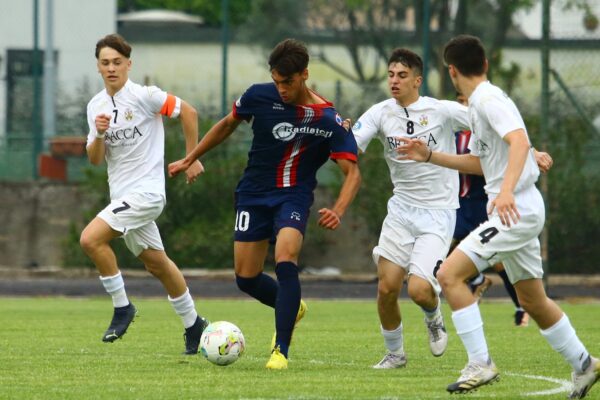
<point x="242" y="220"/>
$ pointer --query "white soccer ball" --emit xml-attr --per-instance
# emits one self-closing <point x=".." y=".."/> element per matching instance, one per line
<point x="222" y="343"/>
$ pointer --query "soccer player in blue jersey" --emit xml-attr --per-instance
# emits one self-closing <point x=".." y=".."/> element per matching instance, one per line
<point x="295" y="132"/>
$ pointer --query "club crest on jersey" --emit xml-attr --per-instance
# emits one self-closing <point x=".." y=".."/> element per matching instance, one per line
<point x="423" y="120"/>
<point x="357" y="126"/>
<point x="338" y="119"/>
<point x="285" y="131"/>
<point x="128" y="115"/>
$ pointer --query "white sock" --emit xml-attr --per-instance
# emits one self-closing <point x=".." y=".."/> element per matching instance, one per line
<point x="469" y="327"/>
<point x="115" y="286"/>
<point x="431" y="314"/>
<point x="184" y="307"/>
<point x="393" y="340"/>
<point x="563" y="339"/>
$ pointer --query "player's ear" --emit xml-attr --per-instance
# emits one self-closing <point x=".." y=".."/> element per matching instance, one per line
<point x="129" y="64"/>
<point x="304" y="74"/>
<point x="485" y="66"/>
<point x="418" y="81"/>
<point x="452" y="71"/>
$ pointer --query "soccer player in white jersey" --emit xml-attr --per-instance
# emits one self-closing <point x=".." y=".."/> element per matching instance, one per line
<point x="500" y="149"/>
<point x="417" y="232"/>
<point x="126" y="130"/>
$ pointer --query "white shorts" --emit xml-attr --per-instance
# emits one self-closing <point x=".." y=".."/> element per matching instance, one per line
<point x="133" y="215"/>
<point x="416" y="239"/>
<point x="517" y="247"/>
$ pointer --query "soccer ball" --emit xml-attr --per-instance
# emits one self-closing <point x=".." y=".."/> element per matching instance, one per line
<point x="222" y="343"/>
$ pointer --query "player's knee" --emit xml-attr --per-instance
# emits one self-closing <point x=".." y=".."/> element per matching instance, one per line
<point x="446" y="278"/>
<point x="421" y="294"/>
<point x="386" y="291"/>
<point x="87" y="243"/>
<point x="246" y="285"/>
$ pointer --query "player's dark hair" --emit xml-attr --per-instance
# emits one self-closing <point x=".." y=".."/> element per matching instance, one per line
<point x="407" y="58"/>
<point x="289" y="57"/>
<point x="467" y="54"/>
<point x="114" y="41"/>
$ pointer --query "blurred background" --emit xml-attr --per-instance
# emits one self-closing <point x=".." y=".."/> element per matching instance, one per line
<point x="544" y="54"/>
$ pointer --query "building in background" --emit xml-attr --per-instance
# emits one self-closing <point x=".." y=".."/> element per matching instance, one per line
<point x="77" y="26"/>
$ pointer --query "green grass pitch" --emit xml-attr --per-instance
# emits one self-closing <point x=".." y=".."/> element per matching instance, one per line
<point x="50" y="348"/>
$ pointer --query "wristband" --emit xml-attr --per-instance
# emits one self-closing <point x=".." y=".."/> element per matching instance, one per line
<point x="430" y="153"/>
<point x="100" y="135"/>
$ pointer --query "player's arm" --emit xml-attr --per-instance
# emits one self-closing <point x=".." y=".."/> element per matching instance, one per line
<point x="417" y="150"/>
<point x="96" y="149"/>
<point x="189" y="124"/>
<point x="217" y="134"/>
<point x="518" y="150"/>
<point x="331" y="217"/>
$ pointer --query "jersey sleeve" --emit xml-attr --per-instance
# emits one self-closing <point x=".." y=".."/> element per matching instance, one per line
<point x="366" y="128"/>
<point x="244" y="107"/>
<point x="500" y="116"/>
<point x="458" y="115"/>
<point x="343" y="145"/>
<point x="91" y="120"/>
<point x="157" y="101"/>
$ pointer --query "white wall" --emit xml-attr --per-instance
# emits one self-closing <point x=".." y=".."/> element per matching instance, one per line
<point x="78" y="24"/>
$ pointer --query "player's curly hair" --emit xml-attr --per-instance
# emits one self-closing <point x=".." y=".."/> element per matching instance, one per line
<point x="467" y="54"/>
<point x="407" y="58"/>
<point x="114" y="41"/>
<point x="289" y="57"/>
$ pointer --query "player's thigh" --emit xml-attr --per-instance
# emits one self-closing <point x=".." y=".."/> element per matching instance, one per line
<point x="249" y="257"/>
<point x="524" y="263"/>
<point x="493" y="242"/>
<point x="97" y="232"/>
<point x="132" y="211"/>
<point x="253" y="223"/>
<point x="458" y="267"/>
<point x="390" y="276"/>
<point x="428" y="253"/>
<point x="143" y="238"/>
<point x="395" y="242"/>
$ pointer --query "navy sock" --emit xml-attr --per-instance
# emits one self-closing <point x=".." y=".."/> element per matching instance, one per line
<point x="262" y="287"/>
<point x="510" y="288"/>
<point x="288" y="302"/>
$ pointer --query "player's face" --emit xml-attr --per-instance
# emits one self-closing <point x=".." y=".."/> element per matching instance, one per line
<point x="403" y="83"/>
<point x="291" y="88"/>
<point x="114" y="68"/>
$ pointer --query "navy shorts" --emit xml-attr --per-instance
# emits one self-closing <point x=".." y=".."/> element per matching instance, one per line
<point x="255" y="222"/>
<point x="470" y="215"/>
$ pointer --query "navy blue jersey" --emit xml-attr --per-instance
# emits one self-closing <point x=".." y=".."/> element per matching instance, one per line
<point x="471" y="186"/>
<point x="472" y="197"/>
<point x="290" y="143"/>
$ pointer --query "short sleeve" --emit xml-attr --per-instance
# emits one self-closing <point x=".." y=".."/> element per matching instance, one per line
<point x="458" y="115"/>
<point x="366" y="128"/>
<point x="158" y="101"/>
<point x="500" y="116"/>
<point x="343" y="145"/>
<point x="244" y="107"/>
<point x="91" y="119"/>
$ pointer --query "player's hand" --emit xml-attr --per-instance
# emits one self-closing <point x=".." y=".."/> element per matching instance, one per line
<point x="102" y="123"/>
<point x="506" y="207"/>
<point x="347" y="124"/>
<point x="194" y="171"/>
<point x="412" y="149"/>
<point x="544" y="160"/>
<point x="178" y="166"/>
<point x="329" y="219"/>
